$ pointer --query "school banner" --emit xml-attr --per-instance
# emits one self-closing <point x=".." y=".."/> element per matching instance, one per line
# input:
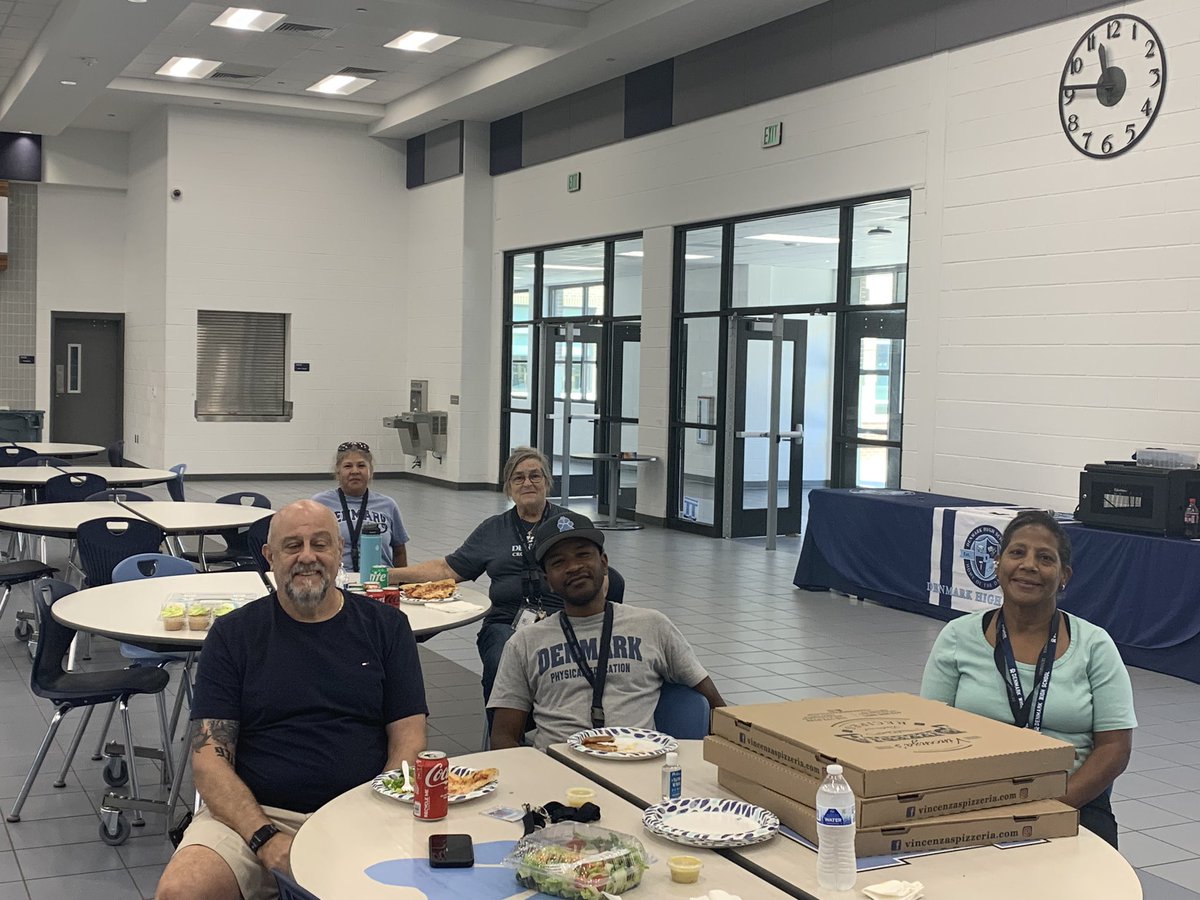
<point x="962" y="557"/>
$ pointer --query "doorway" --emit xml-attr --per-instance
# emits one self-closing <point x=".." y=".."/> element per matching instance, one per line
<point x="571" y="406"/>
<point x="87" y="389"/>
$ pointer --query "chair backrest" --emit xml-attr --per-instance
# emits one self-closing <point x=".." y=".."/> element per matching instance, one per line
<point x="119" y="494"/>
<point x="289" y="890"/>
<point x="151" y="565"/>
<point x="256" y="536"/>
<point x="682" y="712"/>
<point x="116" y="454"/>
<point x="54" y="638"/>
<point x="616" y="586"/>
<point x="246" y="498"/>
<point x="11" y="456"/>
<point x="105" y="542"/>
<point x="76" y="486"/>
<point x="43" y="461"/>
<point x="175" y="485"/>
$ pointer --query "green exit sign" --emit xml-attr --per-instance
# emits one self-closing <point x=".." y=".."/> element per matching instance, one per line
<point x="574" y="182"/>
<point x="772" y="135"/>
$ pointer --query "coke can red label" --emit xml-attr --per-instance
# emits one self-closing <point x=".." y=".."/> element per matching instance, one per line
<point x="431" y="799"/>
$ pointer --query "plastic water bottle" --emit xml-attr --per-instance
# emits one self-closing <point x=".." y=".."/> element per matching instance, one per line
<point x="672" y="778"/>
<point x="836" y="863"/>
<point x="369" y="552"/>
<point x="1191" y="520"/>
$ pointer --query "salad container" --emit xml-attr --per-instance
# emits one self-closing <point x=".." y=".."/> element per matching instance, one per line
<point x="578" y="862"/>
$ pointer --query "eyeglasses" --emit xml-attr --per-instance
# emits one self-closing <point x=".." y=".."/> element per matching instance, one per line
<point x="353" y="445"/>
<point x="531" y="477"/>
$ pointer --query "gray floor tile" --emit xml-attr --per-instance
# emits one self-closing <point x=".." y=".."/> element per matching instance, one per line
<point x="1155" y="888"/>
<point x="146" y="879"/>
<point x="53" y="832"/>
<point x="9" y="870"/>
<point x="150" y="850"/>
<point x="1180" y="777"/>
<point x="1131" y="785"/>
<point x="1185" y="836"/>
<point x="1137" y="815"/>
<point x="1141" y="850"/>
<point x="117" y="885"/>
<point x="53" y="806"/>
<point x="47" y="862"/>
<point x="1185" y="804"/>
<point x="13" y="891"/>
<point x="1185" y="874"/>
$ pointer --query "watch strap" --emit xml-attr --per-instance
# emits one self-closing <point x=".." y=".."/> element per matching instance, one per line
<point x="260" y="837"/>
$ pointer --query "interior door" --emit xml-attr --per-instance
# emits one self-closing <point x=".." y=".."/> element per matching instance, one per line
<point x="86" y="379"/>
<point x="570" y="374"/>
<point x="754" y="358"/>
<point x="619" y="418"/>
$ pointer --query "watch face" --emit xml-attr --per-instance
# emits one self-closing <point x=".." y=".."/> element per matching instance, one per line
<point x="1112" y="86"/>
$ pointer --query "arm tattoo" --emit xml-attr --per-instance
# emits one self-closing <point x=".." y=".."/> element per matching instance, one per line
<point x="221" y="734"/>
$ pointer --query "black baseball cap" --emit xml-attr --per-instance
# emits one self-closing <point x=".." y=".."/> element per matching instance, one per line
<point x="562" y="527"/>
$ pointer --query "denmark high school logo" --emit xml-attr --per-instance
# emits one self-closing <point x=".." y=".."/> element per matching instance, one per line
<point x="979" y="557"/>
<point x="565" y="524"/>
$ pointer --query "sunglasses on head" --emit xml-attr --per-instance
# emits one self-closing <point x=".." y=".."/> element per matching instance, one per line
<point x="353" y="445"/>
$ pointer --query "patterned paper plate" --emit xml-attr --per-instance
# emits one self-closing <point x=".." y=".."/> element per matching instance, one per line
<point x="414" y="601"/>
<point x="632" y="743"/>
<point x="388" y="784"/>
<point x="711" y="822"/>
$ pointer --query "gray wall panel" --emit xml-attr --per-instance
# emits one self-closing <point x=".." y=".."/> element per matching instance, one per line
<point x="868" y="35"/>
<point x="712" y="79"/>
<point x="966" y="21"/>
<point x="443" y="152"/>
<point x="597" y="116"/>
<point x="794" y="51"/>
<point x="546" y="132"/>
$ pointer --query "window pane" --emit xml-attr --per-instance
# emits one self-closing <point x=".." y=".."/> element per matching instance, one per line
<point x="875" y="467"/>
<point x="702" y="269"/>
<point x="786" y="260"/>
<point x="874" y="375"/>
<point x="627" y="278"/>
<point x="699" y="344"/>
<point x="698" y="476"/>
<point x="518" y="431"/>
<point x="879" y="255"/>
<point x="573" y="281"/>
<point x="522" y="367"/>
<point x="522" y="287"/>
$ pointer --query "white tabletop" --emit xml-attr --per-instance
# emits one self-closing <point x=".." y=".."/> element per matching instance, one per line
<point x="128" y="611"/>
<point x="1082" y="866"/>
<point x="128" y="476"/>
<point x="63" y="519"/>
<point x="362" y="828"/>
<point x="62" y="451"/>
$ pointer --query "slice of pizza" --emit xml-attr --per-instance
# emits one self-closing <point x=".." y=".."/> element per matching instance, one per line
<point x="473" y="781"/>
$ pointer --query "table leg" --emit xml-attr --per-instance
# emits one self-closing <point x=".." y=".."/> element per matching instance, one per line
<point x="614" y="490"/>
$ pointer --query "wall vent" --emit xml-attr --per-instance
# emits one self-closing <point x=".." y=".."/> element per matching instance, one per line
<point x="358" y="72"/>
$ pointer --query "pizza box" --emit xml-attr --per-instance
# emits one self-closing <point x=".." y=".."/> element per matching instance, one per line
<point x="891" y="743"/>
<point x="1022" y="822"/>
<point x="893" y="808"/>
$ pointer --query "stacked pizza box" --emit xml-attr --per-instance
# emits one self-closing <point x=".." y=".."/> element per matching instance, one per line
<point x="925" y="776"/>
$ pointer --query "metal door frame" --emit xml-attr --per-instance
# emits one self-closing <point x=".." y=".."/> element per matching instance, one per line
<point x="62" y="315"/>
<point x="548" y="335"/>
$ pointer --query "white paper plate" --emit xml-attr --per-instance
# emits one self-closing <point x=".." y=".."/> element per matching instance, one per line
<point x="632" y="743"/>
<point x="413" y="601"/>
<point x="711" y="822"/>
<point x="406" y="796"/>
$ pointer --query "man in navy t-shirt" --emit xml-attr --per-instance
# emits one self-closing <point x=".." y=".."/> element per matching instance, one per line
<point x="300" y="696"/>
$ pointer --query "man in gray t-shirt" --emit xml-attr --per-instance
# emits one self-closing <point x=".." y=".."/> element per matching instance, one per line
<point x="539" y="671"/>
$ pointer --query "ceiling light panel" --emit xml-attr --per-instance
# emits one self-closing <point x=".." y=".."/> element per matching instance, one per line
<point x="245" y="19"/>
<point x="792" y="238"/>
<point x="421" y="41"/>
<point x="340" y="85"/>
<point x="188" y="67"/>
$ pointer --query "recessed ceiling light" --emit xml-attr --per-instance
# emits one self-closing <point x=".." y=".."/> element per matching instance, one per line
<point x="69" y="83"/>
<point x="879" y="229"/>
<point x="248" y="19"/>
<point x="188" y="67"/>
<point x="421" y="41"/>
<point x="340" y="85"/>
<point x="23" y="131"/>
<point x="137" y="1"/>
<point x="792" y="238"/>
<point x="565" y="268"/>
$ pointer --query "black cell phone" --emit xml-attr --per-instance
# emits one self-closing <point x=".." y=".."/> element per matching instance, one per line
<point x="451" y="851"/>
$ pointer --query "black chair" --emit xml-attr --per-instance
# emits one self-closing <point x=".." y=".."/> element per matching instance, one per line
<point x="289" y="890"/>
<point x="71" y="690"/>
<point x="256" y="536"/>
<point x="175" y="485"/>
<point x="22" y="571"/>
<point x="11" y="456"/>
<point x="237" y="551"/>
<point x="105" y="542"/>
<point x="74" y="487"/>
<point x="616" y="586"/>
<point x="119" y="494"/>
<point x="116" y="454"/>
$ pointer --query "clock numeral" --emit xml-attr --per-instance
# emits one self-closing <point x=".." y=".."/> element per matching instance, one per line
<point x="1092" y="41"/>
<point x="1087" y="139"/>
<point x="1157" y="77"/>
<point x="1132" y="132"/>
<point x="1072" y="123"/>
<point x="1114" y="29"/>
<point x="1150" y="45"/>
<point x="1068" y="97"/>
<point x="1077" y="65"/>
<point x="1134" y="35"/>
<point x="1146" y="107"/>
<point x="1107" y="145"/>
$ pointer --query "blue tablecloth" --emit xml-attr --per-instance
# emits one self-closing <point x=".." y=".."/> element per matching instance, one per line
<point x="1144" y="590"/>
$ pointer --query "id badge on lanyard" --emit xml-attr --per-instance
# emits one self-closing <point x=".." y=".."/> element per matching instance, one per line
<point x="528" y="614"/>
<point x="530" y="610"/>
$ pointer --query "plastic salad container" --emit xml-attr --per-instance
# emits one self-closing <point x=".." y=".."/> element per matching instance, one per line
<point x="578" y="861"/>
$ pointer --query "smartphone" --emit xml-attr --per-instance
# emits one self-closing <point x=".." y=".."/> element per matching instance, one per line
<point x="451" y="851"/>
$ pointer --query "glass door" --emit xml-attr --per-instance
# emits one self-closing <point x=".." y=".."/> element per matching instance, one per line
<point x="873" y="379"/>
<point x="620" y="425"/>
<point x="570" y="369"/>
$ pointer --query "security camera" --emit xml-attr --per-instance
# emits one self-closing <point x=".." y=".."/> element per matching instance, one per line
<point x="176" y="194"/>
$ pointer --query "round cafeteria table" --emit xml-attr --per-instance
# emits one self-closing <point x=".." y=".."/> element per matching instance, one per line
<point x="1081" y="866"/>
<point x="18" y="477"/>
<point x="58" y="450"/>
<point x="362" y="832"/>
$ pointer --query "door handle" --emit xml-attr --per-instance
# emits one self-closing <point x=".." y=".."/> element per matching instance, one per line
<point x="752" y="434"/>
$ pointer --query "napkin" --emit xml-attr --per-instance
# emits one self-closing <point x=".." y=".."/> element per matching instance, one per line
<point x="716" y="894"/>
<point x="455" y="606"/>
<point x="895" y="890"/>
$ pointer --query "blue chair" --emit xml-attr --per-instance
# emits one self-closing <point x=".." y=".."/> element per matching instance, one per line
<point x="74" y="487"/>
<point x="119" y="494"/>
<point x="256" y="536"/>
<point x="175" y="485"/>
<point x="237" y="550"/>
<point x="116" y="454"/>
<point x="682" y="712"/>
<point x="11" y="456"/>
<point x="289" y="890"/>
<point x="150" y="565"/>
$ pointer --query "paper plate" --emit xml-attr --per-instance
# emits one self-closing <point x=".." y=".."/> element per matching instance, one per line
<point x="711" y="822"/>
<point x="632" y="743"/>
<point x="413" y="601"/>
<point x="380" y="787"/>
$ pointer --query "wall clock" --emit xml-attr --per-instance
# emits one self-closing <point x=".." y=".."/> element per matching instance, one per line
<point x="1112" y="86"/>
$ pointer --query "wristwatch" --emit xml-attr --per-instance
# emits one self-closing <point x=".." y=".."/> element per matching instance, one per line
<point x="260" y="837"/>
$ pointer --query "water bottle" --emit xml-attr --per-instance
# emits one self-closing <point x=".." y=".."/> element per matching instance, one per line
<point x="836" y="864"/>
<point x="369" y="550"/>
<point x="1191" y="520"/>
<point x="672" y="778"/>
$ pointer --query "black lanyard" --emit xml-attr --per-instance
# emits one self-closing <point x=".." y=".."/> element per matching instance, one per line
<point x="531" y="574"/>
<point x="597" y="677"/>
<point x="355" y="528"/>
<point x="1027" y="711"/>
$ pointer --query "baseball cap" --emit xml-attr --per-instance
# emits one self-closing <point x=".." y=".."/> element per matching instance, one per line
<point x="562" y="527"/>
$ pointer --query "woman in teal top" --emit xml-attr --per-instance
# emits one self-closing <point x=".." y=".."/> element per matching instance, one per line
<point x="1073" y="684"/>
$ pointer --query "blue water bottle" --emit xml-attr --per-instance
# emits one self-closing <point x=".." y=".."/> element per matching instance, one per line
<point x="369" y="550"/>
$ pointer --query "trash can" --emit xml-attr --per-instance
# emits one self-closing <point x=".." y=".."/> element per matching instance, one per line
<point x="21" y="424"/>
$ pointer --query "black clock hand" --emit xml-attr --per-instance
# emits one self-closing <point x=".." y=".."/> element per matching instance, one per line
<point x="1103" y="62"/>
<point x="1083" y="87"/>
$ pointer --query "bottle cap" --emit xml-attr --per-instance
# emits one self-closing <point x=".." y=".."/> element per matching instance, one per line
<point x="672" y="758"/>
<point x="834" y="769"/>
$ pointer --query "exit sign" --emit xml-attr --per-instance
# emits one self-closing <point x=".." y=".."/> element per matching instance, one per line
<point x="772" y="135"/>
<point x="574" y="182"/>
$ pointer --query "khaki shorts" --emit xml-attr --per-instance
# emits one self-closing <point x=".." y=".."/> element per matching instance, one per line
<point x="255" y="882"/>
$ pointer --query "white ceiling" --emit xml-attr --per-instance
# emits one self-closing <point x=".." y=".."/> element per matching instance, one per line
<point x="512" y="54"/>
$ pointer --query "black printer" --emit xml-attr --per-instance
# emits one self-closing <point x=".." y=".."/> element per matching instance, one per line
<point x="1127" y="497"/>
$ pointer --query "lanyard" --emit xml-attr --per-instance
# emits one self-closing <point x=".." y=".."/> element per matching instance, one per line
<point x="531" y="575"/>
<point x="355" y="528"/>
<point x="597" y="677"/>
<point x="1027" y="711"/>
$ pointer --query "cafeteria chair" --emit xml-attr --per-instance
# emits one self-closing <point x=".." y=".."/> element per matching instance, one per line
<point x="53" y="461"/>
<point x="22" y="571"/>
<point x="123" y="494"/>
<point x="116" y="454"/>
<point x="256" y="536"/>
<point x="175" y="485"/>
<point x="70" y="690"/>
<point x="289" y="890"/>
<point x="10" y="456"/>
<point x="682" y="712"/>
<point x="236" y="551"/>
<point x="73" y="488"/>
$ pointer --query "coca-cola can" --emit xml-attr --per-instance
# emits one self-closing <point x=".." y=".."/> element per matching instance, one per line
<point x="432" y="796"/>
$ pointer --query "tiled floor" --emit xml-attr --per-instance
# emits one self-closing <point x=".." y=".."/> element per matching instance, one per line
<point x="762" y="640"/>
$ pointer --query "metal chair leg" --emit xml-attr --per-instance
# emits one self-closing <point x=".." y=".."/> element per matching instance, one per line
<point x="166" y="738"/>
<point x="66" y="766"/>
<point x="15" y="815"/>
<point x="4" y="599"/>
<point x="99" y="754"/>
<point x="136" y="817"/>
